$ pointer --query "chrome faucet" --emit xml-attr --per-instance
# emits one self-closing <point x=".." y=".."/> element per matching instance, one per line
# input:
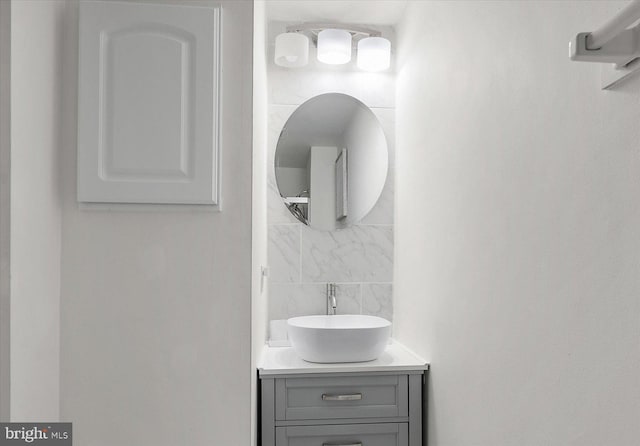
<point x="331" y="299"/>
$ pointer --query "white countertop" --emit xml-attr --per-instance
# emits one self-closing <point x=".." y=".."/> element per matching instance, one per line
<point x="284" y="361"/>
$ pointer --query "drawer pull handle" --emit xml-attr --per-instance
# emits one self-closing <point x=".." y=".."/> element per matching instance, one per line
<point x="342" y="444"/>
<point x="349" y="397"/>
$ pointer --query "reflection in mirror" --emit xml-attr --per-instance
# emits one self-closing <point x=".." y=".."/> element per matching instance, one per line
<point x="331" y="161"/>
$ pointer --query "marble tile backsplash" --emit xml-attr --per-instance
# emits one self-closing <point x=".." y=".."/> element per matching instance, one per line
<point x="302" y="299"/>
<point x="358" y="259"/>
<point x="355" y="254"/>
<point x="284" y="248"/>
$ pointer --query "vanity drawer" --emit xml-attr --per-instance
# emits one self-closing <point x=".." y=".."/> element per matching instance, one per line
<point x="383" y="434"/>
<point x="321" y="398"/>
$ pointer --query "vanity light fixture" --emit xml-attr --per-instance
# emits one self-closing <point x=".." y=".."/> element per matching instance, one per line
<point x="334" y="43"/>
<point x="292" y="50"/>
<point x="374" y="54"/>
<point x="334" y="46"/>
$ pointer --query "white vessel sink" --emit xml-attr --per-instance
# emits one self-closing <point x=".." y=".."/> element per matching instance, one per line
<point x="340" y="338"/>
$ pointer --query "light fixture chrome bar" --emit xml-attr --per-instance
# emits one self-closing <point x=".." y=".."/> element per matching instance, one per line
<point x="625" y="18"/>
<point x="315" y="28"/>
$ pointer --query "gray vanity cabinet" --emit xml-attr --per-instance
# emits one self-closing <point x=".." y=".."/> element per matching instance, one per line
<point x="342" y="409"/>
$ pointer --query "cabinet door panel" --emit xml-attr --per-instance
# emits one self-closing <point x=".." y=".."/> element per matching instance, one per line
<point x="364" y="396"/>
<point x="384" y="434"/>
<point x="148" y="103"/>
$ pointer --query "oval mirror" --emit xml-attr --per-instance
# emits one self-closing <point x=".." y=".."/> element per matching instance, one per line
<point x="331" y="161"/>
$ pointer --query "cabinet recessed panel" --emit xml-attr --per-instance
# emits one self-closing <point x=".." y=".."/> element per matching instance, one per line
<point x="148" y="103"/>
<point x="381" y="434"/>
<point x="135" y="66"/>
<point x="376" y="396"/>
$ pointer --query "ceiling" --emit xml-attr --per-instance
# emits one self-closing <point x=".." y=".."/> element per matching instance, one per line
<point x="363" y="12"/>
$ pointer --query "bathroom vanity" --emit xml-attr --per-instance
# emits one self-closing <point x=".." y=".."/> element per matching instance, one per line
<point x="375" y="403"/>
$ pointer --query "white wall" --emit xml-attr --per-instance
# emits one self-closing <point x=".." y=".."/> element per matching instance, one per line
<point x="156" y="303"/>
<point x="518" y="219"/>
<point x="259" y="307"/>
<point x="5" y="208"/>
<point x="36" y="69"/>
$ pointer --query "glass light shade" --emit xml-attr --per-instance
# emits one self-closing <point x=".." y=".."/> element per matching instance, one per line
<point x="292" y="50"/>
<point x="334" y="46"/>
<point x="374" y="54"/>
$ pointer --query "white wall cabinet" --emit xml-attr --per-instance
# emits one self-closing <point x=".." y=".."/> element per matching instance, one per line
<point x="148" y="103"/>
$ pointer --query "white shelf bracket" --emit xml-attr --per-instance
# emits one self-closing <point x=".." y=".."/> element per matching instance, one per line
<point x="613" y="44"/>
